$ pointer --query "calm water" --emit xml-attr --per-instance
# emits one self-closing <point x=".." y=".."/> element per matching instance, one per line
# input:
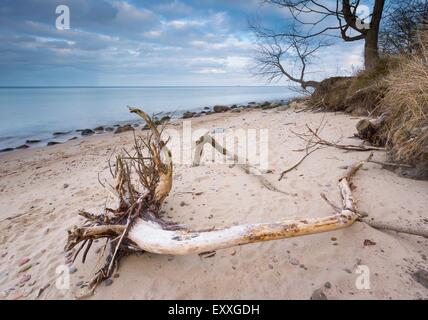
<point x="35" y="113"/>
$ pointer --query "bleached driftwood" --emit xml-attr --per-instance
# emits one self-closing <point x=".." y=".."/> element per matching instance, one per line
<point x="137" y="226"/>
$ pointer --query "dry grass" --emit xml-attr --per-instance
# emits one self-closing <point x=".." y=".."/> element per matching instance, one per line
<point x="405" y="103"/>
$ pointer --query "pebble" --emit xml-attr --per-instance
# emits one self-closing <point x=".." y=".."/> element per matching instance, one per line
<point x="41" y="290"/>
<point x="327" y="285"/>
<point x="72" y="269"/>
<point x="25" y="278"/>
<point x="23" y="261"/>
<point x="25" y="268"/>
<point x="318" y="295"/>
<point x="368" y="242"/>
<point x="65" y="186"/>
<point x="108" y="282"/>
<point x="294" y="261"/>
<point x="233" y="252"/>
<point x="116" y="275"/>
<point x="421" y="276"/>
<point x="182" y="204"/>
<point x="79" y="283"/>
<point x="4" y="254"/>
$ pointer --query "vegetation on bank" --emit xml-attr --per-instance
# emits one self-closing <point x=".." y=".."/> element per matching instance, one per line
<point x="396" y="93"/>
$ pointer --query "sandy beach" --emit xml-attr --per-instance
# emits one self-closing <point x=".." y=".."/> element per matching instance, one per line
<point x="42" y="190"/>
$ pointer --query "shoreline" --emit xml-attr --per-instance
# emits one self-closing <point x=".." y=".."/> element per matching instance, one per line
<point x="62" y="136"/>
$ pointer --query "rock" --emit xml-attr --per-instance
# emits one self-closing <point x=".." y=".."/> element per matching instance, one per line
<point x="421" y="276"/>
<point x="108" y="282"/>
<point x="41" y="290"/>
<point x="23" y="146"/>
<point x="233" y="252"/>
<point x="318" y="295"/>
<point x="327" y="285"/>
<point x="206" y="108"/>
<point x="72" y="269"/>
<point x="125" y="128"/>
<point x="182" y="204"/>
<point x="267" y="105"/>
<point x="74" y="138"/>
<point x="367" y="128"/>
<point x="368" y="242"/>
<point x="87" y="132"/>
<point x="30" y="141"/>
<point x="23" y="261"/>
<point x="165" y="118"/>
<point x="109" y="129"/>
<point x="25" y="278"/>
<point x="52" y="143"/>
<point x="188" y="115"/>
<point x="99" y="129"/>
<point x="116" y="275"/>
<point x="25" y="268"/>
<point x="32" y="283"/>
<point x="236" y="110"/>
<point x="65" y="186"/>
<point x="6" y="150"/>
<point x="294" y="261"/>
<point x="60" y="133"/>
<point x="79" y="283"/>
<point x="218" y="109"/>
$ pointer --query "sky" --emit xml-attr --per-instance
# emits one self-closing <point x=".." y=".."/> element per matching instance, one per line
<point x="145" y="43"/>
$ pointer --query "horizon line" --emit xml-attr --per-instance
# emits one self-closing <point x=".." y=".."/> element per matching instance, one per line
<point x="118" y="86"/>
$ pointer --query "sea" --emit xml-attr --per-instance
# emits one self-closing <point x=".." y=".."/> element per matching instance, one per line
<point x="35" y="113"/>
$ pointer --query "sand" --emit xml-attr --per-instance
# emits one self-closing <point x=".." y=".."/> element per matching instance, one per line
<point x="41" y="191"/>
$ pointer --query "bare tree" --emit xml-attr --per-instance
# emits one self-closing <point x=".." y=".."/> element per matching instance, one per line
<point x="275" y="56"/>
<point x="399" y="32"/>
<point x="335" y="18"/>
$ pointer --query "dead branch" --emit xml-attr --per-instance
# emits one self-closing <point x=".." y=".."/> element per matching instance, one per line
<point x="397" y="227"/>
<point x="313" y="137"/>
<point x="241" y="163"/>
<point x="283" y="173"/>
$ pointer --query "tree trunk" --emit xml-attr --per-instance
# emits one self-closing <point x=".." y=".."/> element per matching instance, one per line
<point x="371" y="50"/>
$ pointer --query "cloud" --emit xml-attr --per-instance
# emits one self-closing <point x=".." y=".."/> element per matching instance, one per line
<point x="136" y="42"/>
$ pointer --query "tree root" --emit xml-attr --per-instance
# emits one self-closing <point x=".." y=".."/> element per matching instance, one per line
<point x="417" y="231"/>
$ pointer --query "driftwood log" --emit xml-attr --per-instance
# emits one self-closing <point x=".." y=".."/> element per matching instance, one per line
<point x="144" y="179"/>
